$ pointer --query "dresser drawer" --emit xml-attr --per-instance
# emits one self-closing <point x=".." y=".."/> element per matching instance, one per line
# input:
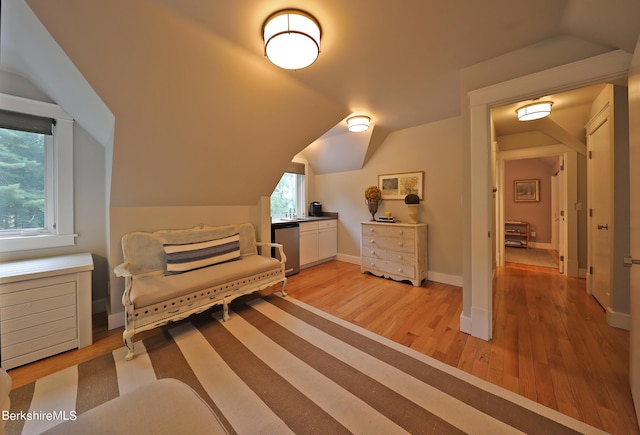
<point x="388" y="243"/>
<point x="407" y="258"/>
<point x="375" y="265"/>
<point x="387" y="231"/>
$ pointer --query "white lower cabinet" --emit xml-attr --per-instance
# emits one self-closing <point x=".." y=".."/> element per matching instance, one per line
<point x="318" y="241"/>
<point x="327" y="241"/>
<point x="308" y="243"/>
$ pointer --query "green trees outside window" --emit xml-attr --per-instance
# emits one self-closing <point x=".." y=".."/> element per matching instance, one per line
<point x="22" y="180"/>
<point x="284" y="197"/>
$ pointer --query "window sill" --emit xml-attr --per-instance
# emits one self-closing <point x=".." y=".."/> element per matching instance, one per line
<point x="40" y="241"/>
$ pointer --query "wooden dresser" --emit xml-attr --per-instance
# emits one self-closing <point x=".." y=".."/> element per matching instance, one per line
<point x="395" y="250"/>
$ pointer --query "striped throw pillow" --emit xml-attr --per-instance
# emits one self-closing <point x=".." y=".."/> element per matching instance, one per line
<point x="190" y="256"/>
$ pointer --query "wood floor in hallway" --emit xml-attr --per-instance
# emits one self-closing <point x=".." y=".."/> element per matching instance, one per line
<point x="551" y="342"/>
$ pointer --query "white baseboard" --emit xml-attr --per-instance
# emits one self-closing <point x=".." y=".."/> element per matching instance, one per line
<point x="115" y="320"/>
<point x="480" y="329"/>
<point x="348" y="258"/>
<point x="465" y="324"/>
<point x="98" y="306"/>
<point x="618" y="320"/>
<point x="445" y="278"/>
<point x="480" y="324"/>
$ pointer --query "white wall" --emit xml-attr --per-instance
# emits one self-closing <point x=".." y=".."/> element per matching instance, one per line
<point x="434" y="148"/>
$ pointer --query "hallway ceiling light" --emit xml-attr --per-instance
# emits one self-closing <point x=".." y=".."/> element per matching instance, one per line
<point x="358" y="123"/>
<point x="291" y="39"/>
<point x="536" y="110"/>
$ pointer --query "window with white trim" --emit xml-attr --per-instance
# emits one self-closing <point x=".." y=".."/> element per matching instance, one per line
<point x="36" y="175"/>
<point x="288" y="198"/>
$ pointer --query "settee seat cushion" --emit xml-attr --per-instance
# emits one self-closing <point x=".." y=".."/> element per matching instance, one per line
<point x="155" y="287"/>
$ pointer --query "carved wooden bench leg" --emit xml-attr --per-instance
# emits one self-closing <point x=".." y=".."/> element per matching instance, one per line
<point x="127" y="337"/>
<point x="282" y="291"/>
<point x="225" y="309"/>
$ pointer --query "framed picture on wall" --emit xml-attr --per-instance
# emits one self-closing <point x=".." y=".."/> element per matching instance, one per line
<point x="526" y="190"/>
<point x="397" y="186"/>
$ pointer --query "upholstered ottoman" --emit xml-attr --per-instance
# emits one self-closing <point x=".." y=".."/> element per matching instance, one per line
<point x="165" y="406"/>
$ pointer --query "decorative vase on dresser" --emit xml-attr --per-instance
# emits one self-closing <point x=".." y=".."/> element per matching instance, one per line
<point x="395" y="250"/>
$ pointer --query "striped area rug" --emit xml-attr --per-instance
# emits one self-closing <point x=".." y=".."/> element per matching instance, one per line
<point x="279" y="366"/>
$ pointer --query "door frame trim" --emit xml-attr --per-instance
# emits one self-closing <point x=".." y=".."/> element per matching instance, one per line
<point x="477" y="320"/>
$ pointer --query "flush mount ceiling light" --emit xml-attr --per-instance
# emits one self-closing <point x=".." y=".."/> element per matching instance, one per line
<point x="358" y="123"/>
<point x="291" y="39"/>
<point x="536" y="110"/>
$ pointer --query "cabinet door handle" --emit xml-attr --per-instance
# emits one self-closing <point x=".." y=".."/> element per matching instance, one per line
<point x="373" y="265"/>
<point x="399" y="257"/>
<point x="371" y="229"/>
<point x="373" y="241"/>
<point x="400" y="269"/>
<point x="400" y="244"/>
<point x="401" y="232"/>
<point x="373" y="252"/>
<point x="603" y="227"/>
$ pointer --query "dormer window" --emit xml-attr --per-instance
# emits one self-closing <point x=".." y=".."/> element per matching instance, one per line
<point x="36" y="175"/>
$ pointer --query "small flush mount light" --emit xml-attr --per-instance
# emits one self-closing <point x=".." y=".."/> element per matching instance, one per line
<point x="536" y="110"/>
<point x="291" y="39"/>
<point x="358" y="123"/>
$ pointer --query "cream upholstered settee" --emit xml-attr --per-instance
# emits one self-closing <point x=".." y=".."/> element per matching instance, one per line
<point x="171" y="274"/>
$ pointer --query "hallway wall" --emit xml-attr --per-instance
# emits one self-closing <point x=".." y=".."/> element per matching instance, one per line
<point x="538" y="214"/>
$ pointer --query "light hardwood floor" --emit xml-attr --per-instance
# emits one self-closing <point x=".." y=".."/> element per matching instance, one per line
<point x="551" y="342"/>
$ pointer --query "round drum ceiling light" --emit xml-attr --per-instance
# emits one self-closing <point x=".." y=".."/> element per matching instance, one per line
<point x="536" y="110"/>
<point x="358" y="123"/>
<point x="291" y="39"/>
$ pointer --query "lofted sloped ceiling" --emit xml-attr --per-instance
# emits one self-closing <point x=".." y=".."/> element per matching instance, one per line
<point x="202" y="118"/>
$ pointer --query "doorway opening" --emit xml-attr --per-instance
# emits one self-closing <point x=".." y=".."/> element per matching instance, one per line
<point x="476" y="317"/>
<point x="533" y="231"/>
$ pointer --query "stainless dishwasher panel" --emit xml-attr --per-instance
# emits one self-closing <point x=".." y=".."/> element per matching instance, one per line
<point x="288" y="234"/>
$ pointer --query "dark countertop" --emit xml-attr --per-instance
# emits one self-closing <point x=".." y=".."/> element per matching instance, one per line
<point x="325" y="216"/>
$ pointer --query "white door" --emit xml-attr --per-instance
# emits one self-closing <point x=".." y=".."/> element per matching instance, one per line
<point x="599" y="179"/>
<point x="634" y="162"/>
<point x="562" y="230"/>
<point x="555" y="212"/>
<point x="558" y="218"/>
<point x="558" y="200"/>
